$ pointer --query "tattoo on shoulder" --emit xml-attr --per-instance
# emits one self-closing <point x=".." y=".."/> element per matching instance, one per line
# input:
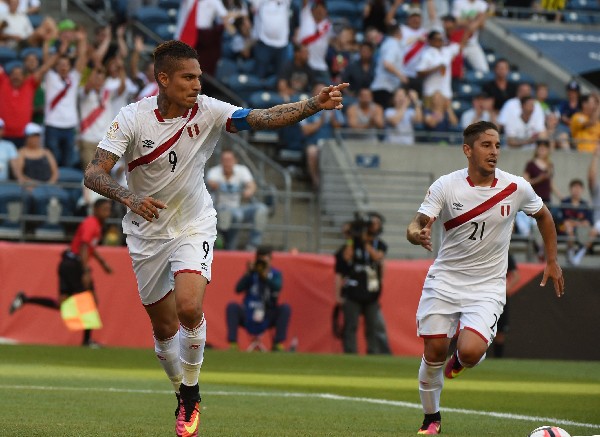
<point x="104" y="158"/>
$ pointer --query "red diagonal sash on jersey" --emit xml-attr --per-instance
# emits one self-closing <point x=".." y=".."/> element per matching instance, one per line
<point x="315" y="36"/>
<point x="147" y="159"/>
<point x="60" y="95"/>
<point x="480" y="209"/>
<point x="417" y="46"/>
<point x="94" y="114"/>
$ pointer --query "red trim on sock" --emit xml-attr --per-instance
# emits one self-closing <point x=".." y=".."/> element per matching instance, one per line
<point x="193" y="329"/>
<point x="158" y="301"/>
<point x="478" y="333"/>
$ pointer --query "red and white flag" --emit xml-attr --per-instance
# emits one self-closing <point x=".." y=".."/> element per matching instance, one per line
<point x="186" y="22"/>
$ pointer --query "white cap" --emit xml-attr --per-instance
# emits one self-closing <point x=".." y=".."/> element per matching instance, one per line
<point x="33" y="129"/>
<point x="1" y="123"/>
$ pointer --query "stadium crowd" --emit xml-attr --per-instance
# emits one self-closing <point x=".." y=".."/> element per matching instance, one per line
<point x="417" y="73"/>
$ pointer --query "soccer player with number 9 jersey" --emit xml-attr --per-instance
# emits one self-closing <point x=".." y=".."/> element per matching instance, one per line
<point x="170" y="225"/>
<point x="465" y="288"/>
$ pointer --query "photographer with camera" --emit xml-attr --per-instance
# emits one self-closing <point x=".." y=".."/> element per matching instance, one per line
<point x="358" y="281"/>
<point x="259" y="310"/>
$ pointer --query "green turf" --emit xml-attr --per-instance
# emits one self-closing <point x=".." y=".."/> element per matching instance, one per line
<point x="62" y="391"/>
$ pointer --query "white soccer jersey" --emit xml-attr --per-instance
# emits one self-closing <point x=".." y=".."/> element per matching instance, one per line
<point x="414" y="41"/>
<point x="96" y="114"/>
<point x="477" y="223"/>
<point x="166" y="159"/>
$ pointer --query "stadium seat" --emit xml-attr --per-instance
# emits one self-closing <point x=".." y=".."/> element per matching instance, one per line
<point x="226" y="68"/>
<point x="460" y="106"/>
<point x="466" y="91"/>
<point x="28" y="50"/>
<point x="169" y="4"/>
<point x="165" y="31"/>
<point x="36" y="20"/>
<point x="7" y="55"/>
<point x="152" y="17"/>
<point x="583" y="5"/>
<point x="517" y="76"/>
<point x="265" y="99"/>
<point x="246" y="66"/>
<point x="71" y="175"/>
<point x="478" y="77"/>
<point x="343" y="8"/>
<point x="578" y="18"/>
<point x="244" y="84"/>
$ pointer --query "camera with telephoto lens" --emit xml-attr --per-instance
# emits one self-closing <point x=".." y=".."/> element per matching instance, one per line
<point x="260" y="265"/>
<point x="360" y="224"/>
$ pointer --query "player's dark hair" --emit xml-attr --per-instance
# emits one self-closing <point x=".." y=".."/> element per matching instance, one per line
<point x="472" y="132"/>
<point x="524" y="99"/>
<point x="101" y="202"/>
<point x="168" y="54"/>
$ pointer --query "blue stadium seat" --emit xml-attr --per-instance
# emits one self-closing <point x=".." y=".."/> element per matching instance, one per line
<point x="343" y="8"/>
<point x="578" y="18"/>
<point x="152" y="17"/>
<point x="226" y="68"/>
<point x="165" y="31"/>
<point x="466" y="91"/>
<point x="7" y="55"/>
<point x="478" y="77"/>
<point x="36" y="20"/>
<point x="517" y="76"/>
<point x="29" y="50"/>
<point x="71" y="175"/>
<point x="244" y="84"/>
<point x="583" y="5"/>
<point x="265" y="99"/>
<point x="460" y="106"/>
<point x="169" y="4"/>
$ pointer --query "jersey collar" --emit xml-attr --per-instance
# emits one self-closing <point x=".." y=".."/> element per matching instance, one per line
<point x="494" y="182"/>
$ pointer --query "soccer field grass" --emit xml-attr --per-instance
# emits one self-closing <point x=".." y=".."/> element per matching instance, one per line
<point x="68" y="391"/>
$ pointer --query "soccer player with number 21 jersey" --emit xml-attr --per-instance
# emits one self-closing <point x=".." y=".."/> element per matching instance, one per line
<point x="465" y="289"/>
<point x="171" y="223"/>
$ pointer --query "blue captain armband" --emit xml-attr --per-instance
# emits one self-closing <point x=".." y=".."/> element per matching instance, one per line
<point x="239" y="119"/>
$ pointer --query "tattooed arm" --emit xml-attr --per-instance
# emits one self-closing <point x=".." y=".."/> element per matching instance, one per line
<point x="97" y="177"/>
<point x="290" y="113"/>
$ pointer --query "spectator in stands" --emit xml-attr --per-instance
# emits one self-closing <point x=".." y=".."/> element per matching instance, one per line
<point x="541" y="95"/>
<point x="594" y="187"/>
<point x="261" y="310"/>
<point x="585" y="125"/>
<point x="341" y="51"/>
<point x="374" y="37"/>
<point x="379" y="14"/>
<point x="482" y="110"/>
<point x="31" y="64"/>
<point x="440" y="118"/>
<point x="60" y="117"/>
<point x="403" y="116"/>
<point x="8" y="192"/>
<point x="317" y="129"/>
<point x="539" y="172"/>
<point x="104" y="47"/>
<point x="115" y="69"/>
<point x="235" y="189"/>
<point x="472" y="15"/>
<point x="18" y="91"/>
<point x="143" y="78"/>
<point x="296" y="76"/>
<point x="17" y="31"/>
<point x="36" y="170"/>
<point x="365" y="115"/>
<point x="523" y="131"/>
<point x="500" y="88"/>
<point x="314" y="32"/>
<point x="388" y="70"/>
<point x="576" y="213"/>
<point x="67" y="37"/>
<point x="559" y="139"/>
<point x="242" y="43"/>
<point x="511" y="110"/>
<point x="414" y="37"/>
<point x="454" y="34"/>
<point x="210" y="16"/>
<point x="434" y="67"/>
<point x="95" y="111"/>
<point x="361" y="72"/>
<point x="30" y="6"/>
<point x="272" y="28"/>
<point x="570" y="106"/>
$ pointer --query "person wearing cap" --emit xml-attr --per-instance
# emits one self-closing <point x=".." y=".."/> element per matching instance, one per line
<point x="585" y="124"/>
<point x="482" y="110"/>
<point x="36" y="170"/>
<point x="60" y="112"/>
<point x="570" y="106"/>
<point x="471" y="14"/>
<point x="18" y="91"/>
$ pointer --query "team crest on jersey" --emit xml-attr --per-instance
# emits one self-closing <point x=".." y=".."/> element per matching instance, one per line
<point x="193" y="130"/>
<point x="112" y="130"/>
<point x="505" y="210"/>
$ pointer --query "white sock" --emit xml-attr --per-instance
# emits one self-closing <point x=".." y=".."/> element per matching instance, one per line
<point x="431" y="381"/>
<point x="191" y="351"/>
<point x="167" y="352"/>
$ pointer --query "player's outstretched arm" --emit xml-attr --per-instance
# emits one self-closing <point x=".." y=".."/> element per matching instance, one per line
<point x="552" y="270"/>
<point x="419" y="231"/>
<point x="287" y="114"/>
<point x="97" y="177"/>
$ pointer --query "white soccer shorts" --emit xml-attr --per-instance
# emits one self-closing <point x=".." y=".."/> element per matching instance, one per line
<point x="156" y="262"/>
<point x="442" y="314"/>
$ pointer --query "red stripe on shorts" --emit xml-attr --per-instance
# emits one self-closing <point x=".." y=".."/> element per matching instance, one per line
<point x="478" y="333"/>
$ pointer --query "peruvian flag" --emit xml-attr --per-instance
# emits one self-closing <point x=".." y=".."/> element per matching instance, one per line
<point x="186" y="22"/>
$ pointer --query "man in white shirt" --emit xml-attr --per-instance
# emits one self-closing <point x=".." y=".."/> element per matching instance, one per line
<point x="435" y="65"/>
<point x="472" y="14"/>
<point x="18" y="28"/>
<point x="465" y="287"/>
<point x="481" y="110"/>
<point x="234" y="188"/>
<point x="60" y="114"/>
<point x="272" y="31"/>
<point x="388" y="70"/>
<point x="167" y="141"/>
<point x="511" y="110"/>
<point x="522" y="131"/>
<point x="315" y="32"/>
